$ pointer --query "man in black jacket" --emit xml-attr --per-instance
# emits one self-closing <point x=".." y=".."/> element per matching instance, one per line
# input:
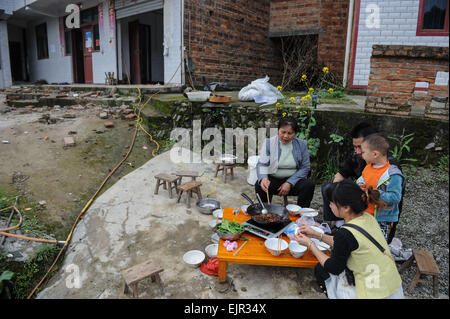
<point x="352" y="168"/>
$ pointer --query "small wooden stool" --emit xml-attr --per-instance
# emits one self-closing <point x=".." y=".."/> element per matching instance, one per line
<point x="193" y="175"/>
<point x="426" y="265"/>
<point x="168" y="181"/>
<point x="133" y="275"/>
<point x="227" y="170"/>
<point x="189" y="187"/>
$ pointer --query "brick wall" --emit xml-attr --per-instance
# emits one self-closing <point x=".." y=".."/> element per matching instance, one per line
<point x="398" y="24"/>
<point x="403" y="81"/>
<point x="333" y="21"/>
<point x="324" y="17"/>
<point x="296" y="15"/>
<point x="228" y="41"/>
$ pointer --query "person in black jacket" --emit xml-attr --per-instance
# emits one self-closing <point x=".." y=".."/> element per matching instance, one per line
<point x="352" y="168"/>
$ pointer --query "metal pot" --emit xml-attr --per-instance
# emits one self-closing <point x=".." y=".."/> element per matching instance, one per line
<point x="207" y="205"/>
<point x="256" y="210"/>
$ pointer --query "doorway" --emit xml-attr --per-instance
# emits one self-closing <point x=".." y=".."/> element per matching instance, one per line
<point x="15" y="53"/>
<point x="140" y="52"/>
<point x="77" y="56"/>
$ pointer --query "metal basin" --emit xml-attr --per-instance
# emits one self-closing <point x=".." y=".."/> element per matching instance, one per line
<point x="207" y="205"/>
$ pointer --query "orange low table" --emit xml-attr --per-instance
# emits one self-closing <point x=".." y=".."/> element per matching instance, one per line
<point x="255" y="253"/>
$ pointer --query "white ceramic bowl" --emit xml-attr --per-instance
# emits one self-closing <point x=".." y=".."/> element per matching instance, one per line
<point x="211" y="250"/>
<point x="198" y="96"/>
<point x="212" y="223"/>
<point x="320" y="244"/>
<point x="218" y="213"/>
<point x="194" y="258"/>
<point x="293" y="209"/>
<point x="273" y="245"/>
<point x="244" y="208"/>
<point x="308" y="212"/>
<point x="296" y="249"/>
<point x="317" y="229"/>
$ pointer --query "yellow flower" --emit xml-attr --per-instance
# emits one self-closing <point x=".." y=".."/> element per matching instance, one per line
<point x="325" y="70"/>
<point x="308" y="97"/>
<point x="279" y="88"/>
<point x="311" y="90"/>
<point x="284" y="114"/>
<point x="304" y="77"/>
<point x="292" y="99"/>
<point x="330" y="90"/>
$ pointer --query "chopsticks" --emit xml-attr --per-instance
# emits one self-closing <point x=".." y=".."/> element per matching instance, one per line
<point x="267" y="192"/>
<point x="240" y="248"/>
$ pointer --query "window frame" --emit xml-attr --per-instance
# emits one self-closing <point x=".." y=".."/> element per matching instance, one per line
<point x="43" y="38"/>
<point x="430" y="32"/>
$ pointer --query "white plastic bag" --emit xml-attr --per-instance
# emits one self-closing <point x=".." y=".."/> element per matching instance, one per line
<point x="260" y="91"/>
<point x="339" y="288"/>
<point x="306" y="220"/>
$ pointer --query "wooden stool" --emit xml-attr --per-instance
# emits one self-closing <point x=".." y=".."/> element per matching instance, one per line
<point x="227" y="170"/>
<point x="164" y="179"/>
<point x="181" y="174"/>
<point x="426" y="265"/>
<point x="133" y="275"/>
<point x="189" y="187"/>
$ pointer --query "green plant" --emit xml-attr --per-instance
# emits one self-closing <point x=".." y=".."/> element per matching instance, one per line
<point x="443" y="164"/>
<point x="306" y="123"/>
<point x="6" y="275"/>
<point x="327" y="169"/>
<point x="33" y="269"/>
<point x="401" y="146"/>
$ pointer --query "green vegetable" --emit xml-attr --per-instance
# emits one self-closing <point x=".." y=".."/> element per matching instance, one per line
<point x="228" y="227"/>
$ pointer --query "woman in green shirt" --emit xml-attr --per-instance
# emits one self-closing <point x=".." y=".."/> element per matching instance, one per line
<point x="284" y="165"/>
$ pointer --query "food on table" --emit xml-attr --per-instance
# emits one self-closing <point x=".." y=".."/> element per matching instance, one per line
<point x="228" y="227"/>
<point x="269" y="217"/>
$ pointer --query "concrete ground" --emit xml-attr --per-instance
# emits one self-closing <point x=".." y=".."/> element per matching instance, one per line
<point x="128" y="224"/>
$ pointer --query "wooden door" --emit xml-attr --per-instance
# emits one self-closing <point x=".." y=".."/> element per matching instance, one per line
<point x="135" y="52"/>
<point x="88" y="47"/>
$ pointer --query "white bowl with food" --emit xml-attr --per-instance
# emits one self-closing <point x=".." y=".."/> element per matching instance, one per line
<point x="211" y="250"/>
<point x="276" y="246"/>
<point x="218" y="213"/>
<point x="296" y="249"/>
<point x="293" y="209"/>
<point x="308" y="212"/>
<point x="194" y="258"/>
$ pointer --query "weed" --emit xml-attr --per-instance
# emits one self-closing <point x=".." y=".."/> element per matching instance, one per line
<point x="401" y="146"/>
<point x="29" y="273"/>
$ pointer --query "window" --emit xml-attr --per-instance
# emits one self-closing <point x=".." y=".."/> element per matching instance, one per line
<point x="41" y="41"/>
<point x="433" y="18"/>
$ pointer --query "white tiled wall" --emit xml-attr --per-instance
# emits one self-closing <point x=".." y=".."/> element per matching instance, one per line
<point x="397" y="26"/>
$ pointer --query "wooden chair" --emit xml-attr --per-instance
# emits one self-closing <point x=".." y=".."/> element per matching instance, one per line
<point x="169" y="182"/>
<point x="133" y="275"/>
<point x="193" y="175"/>
<point x="189" y="187"/>
<point x="426" y="265"/>
<point x="227" y="170"/>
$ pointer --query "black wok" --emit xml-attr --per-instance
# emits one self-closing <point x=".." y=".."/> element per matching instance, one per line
<point x="255" y="209"/>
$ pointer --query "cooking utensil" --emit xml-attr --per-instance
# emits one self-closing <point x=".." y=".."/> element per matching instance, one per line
<point x="240" y="248"/>
<point x="255" y="209"/>
<point x="264" y="210"/>
<point x="207" y="205"/>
